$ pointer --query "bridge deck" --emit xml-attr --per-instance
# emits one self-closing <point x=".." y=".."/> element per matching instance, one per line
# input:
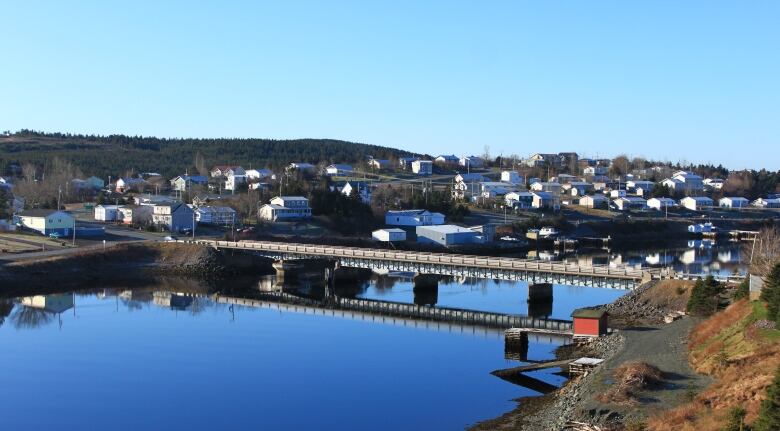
<point x="498" y="264"/>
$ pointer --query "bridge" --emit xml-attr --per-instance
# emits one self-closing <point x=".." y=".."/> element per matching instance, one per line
<point x="457" y="265"/>
<point x="403" y="313"/>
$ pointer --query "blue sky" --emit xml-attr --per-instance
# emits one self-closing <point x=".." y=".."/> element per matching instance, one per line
<point x="669" y="80"/>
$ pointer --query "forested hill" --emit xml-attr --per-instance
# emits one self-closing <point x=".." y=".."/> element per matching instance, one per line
<point x="116" y="154"/>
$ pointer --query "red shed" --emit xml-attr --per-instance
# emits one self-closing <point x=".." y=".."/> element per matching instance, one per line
<point x="589" y="322"/>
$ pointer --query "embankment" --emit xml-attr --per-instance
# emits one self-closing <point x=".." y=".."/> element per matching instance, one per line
<point x="126" y="262"/>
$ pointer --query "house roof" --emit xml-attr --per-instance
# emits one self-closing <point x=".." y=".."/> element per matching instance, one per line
<point x="446" y="228"/>
<point x="291" y="198"/>
<point x="38" y="212"/>
<point x="588" y="313"/>
<point x="341" y="167"/>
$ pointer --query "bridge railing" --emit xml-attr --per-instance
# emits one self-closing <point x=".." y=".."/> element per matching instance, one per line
<point x="433" y="258"/>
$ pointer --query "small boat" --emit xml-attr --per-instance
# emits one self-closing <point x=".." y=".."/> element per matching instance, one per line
<point x="548" y="232"/>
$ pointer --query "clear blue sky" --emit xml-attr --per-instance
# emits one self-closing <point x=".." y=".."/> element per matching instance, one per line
<point x="695" y="81"/>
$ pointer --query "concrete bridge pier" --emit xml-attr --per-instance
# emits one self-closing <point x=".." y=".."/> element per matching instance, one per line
<point x="426" y="289"/>
<point x="540" y="299"/>
<point x="286" y="270"/>
<point x="516" y="345"/>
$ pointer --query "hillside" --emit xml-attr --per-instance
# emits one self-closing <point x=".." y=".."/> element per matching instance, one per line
<point x="116" y="154"/>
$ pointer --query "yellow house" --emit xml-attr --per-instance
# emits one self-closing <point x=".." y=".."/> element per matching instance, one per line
<point x="47" y="222"/>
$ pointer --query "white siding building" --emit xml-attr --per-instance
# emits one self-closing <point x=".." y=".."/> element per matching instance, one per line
<point x="661" y="204"/>
<point x="413" y="218"/>
<point x="175" y="217"/>
<point x="697" y="203"/>
<point x="47" y="222"/>
<point x="511" y="177"/>
<point x="733" y="202"/>
<point x="389" y="235"/>
<point x="106" y="212"/>
<point x="284" y="208"/>
<point x="422" y="167"/>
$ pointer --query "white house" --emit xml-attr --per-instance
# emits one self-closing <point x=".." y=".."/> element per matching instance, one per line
<point x="491" y="189"/>
<point x="135" y="214"/>
<point x="339" y="169"/>
<point x="389" y="235"/>
<point x="595" y="170"/>
<point x="714" y="183"/>
<point x="683" y="181"/>
<point x="617" y="193"/>
<point x="47" y="222"/>
<point x="447" y="159"/>
<point x="127" y="184"/>
<point x="422" y="167"/>
<point x="633" y="185"/>
<point x="360" y="188"/>
<point x="594" y="201"/>
<point x="215" y="215"/>
<point x="185" y="182"/>
<point x="553" y="188"/>
<point x="221" y="171"/>
<point x="406" y="162"/>
<point x="259" y="174"/>
<point x="626" y="203"/>
<point x="471" y="162"/>
<point x="579" y="188"/>
<point x="733" y="202"/>
<point x="767" y="203"/>
<point x="542" y="200"/>
<point x="233" y="181"/>
<point x="697" y="203"/>
<point x="413" y="218"/>
<point x="300" y="166"/>
<point x="175" y="217"/>
<point x="519" y="199"/>
<point x="661" y="204"/>
<point x="106" y="212"/>
<point x="511" y="177"/>
<point x="285" y="208"/>
<point x="448" y="235"/>
<point x="379" y="164"/>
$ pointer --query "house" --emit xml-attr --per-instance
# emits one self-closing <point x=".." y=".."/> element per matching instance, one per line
<point x="107" y="212"/>
<point x="683" y="181"/>
<point x="448" y="235"/>
<point x="697" y="203"/>
<point x="259" y="174"/>
<point x="766" y="203"/>
<point x="563" y="179"/>
<point x="733" y="202"/>
<point x="389" y="235"/>
<point x="135" y="214"/>
<point x="491" y="189"/>
<point x="283" y="208"/>
<point x="379" y="164"/>
<point x="628" y="203"/>
<point x="174" y="217"/>
<point x="469" y="178"/>
<point x="338" y="169"/>
<point x="359" y="188"/>
<point x="466" y="185"/>
<point x="47" y="222"/>
<point x="618" y="193"/>
<point x="129" y="184"/>
<point x="511" y="177"/>
<point x="215" y="215"/>
<point x="471" y="162"/>
<point x="542" y="159"/>
<point x="595" y="170"/>
<point x="579" y="188"/>
<point x="185" y="182"/>
<point x="714" y="183"/>
<point x="57" y="303"/>
<point x="447" y="159"/>
<point x="234" y="181"/>
<point x="154" y="199"/>
<point x="589" y="322"/>
<point x="302" y="167"/>
<point x="519" y="199"/>
<point x="594" y="201"/>
<point x="221" y="171"/>
<point x="661" y="204"/>
<point x="542" y="200"/>
<point x="550" y="187"/>
<point x="413" y="218"/>
<point x="633" y="185"/>
<point x="406" y="162"/>
<point x="422" y="167"/>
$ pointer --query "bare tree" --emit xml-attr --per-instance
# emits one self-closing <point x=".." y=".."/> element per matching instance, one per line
<point x="764" y="251"/>
<point x="200" y="164"/>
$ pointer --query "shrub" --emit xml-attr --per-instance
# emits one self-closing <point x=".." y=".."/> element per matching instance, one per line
<point x="769" y="415"/>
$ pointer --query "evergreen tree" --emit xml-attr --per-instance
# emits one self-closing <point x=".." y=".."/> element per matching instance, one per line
<point x="736" y="420"/>
<point x="771" y="293"/>
<point x="743" y="290"/>
<point x="769" y="415"/>
<point x="698" y="302"/>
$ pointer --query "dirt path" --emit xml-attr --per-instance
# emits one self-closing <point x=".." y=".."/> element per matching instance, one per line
<point x="666" y="347"/>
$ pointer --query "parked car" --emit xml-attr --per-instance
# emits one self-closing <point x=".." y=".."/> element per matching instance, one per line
<point x="170" y="238"/>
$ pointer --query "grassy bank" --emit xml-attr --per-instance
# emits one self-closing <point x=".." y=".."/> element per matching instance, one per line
<point x="742" y="356"/>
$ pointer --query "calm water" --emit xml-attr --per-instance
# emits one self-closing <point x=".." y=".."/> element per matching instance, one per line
<point x="111" y="358"/>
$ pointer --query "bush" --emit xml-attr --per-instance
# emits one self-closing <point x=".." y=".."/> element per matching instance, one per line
<point x="742" y="290"/>
<point x="771" y="293"/>
<point x="769" y="415"/>
<point x="736" y="420"/>
<point x="704" y="296"/>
